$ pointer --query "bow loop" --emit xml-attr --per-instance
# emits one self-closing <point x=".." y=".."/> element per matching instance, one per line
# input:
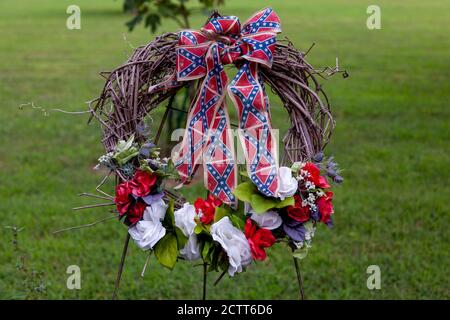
<point x="227" y="25"/>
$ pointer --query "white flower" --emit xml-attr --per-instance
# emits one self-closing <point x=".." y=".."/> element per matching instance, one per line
<point x="147" y="232"/>
<point x="310" y="185"/>
<point x="156" y="211"/>
<point x="288" y="184"/>
<point x="310" y="229"/>
<point x="234" y="243"/>
<point x="191" y="250"/>
<point x="269" y="220"/>
<point x="184" y="219"/>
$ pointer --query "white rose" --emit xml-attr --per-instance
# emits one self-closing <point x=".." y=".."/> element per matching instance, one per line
<point x="147" y="232"/>
<point x="269" y="220"/>
<point x="184" y="219"/>
<point x="191" y="250"/>
<point x="288" y="184"/>
<point x="234" y="243"/>
<point x="156" y="211"/>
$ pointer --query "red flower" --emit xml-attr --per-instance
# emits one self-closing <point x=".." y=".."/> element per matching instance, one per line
<point x="258" y="239"/>
<point x="142" y="183"/>
<point x="326" y="206"/>
<point x="123" y="197"/>
<point x="207" y="208"/>
<point x="297" y="211"/>
<point x="315" y="177"/>
<point x="136" y="212"/>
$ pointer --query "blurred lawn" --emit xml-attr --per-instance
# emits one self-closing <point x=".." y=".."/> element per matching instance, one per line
<point x="392" y="139"/>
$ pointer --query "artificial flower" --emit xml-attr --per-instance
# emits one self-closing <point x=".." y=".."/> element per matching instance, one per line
<point x="123" y="199"/>
<point x="314" y="176"/>
<point x="298" y="212"/>
<point x="269" y="220"/>
<point x="258" y="239"/>
<point x="155" y="211"/>
<point x="149" y="199"/>
<point x="234" y="243"/>
<point x="294" y="229"/>
<point x="288" y="185"/>
<point x="185" y="220"/>
<point x="191" y="250"/>
<point x="147" y="232"/>
<point x="142" y="183"/>
<point x="307" y="231"/>
<point x="135" y="212"/>
<point x="206" y="208"/>
<point x="325" y="206"/>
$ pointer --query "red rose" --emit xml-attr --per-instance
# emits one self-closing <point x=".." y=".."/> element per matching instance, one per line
<point x="207" y="208"/>
<point x="297" y="211"/>
<point x="136" y="212"/>
<point x="123" y="197"/>
<point x="258" y="239"/>
<point x="315" y="177"/>
<point x="326" y="206"/>
<point x="142" y="183"/>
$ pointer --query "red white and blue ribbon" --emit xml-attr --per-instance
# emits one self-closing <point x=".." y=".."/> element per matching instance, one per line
<point x="208" y="138"/>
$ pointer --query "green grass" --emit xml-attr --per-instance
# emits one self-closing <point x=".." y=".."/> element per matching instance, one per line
<point x="392" y="138"/>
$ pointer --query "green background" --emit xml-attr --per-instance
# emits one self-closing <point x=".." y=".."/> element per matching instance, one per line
<point x="392" y="139"/>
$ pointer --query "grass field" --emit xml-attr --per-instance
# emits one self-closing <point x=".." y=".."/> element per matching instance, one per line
<point x="392" y="138"/>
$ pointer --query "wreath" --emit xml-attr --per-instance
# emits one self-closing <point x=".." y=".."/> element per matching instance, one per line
<point x="247" y="209"/>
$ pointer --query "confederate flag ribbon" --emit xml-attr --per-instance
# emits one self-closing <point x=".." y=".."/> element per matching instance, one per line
<point x="208" y="138"/>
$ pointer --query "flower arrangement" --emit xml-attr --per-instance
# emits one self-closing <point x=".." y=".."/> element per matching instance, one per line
<point x="243" y="213"/>
<point x="225" y="238"/>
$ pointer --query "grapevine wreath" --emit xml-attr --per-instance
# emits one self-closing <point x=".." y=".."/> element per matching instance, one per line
<point x="246" y="210"/>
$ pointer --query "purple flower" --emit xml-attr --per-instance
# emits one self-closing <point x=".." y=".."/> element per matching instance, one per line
<point x="330" y="223"/>
<point x="315" y="215"/>
<point x="151" y="198"/>
<point x="294" y="229"/>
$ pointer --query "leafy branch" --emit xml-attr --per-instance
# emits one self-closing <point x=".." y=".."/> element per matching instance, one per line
<point x="153" y="12"/>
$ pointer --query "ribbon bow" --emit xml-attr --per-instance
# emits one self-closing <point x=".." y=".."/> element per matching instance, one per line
<point x="203" y="54"/>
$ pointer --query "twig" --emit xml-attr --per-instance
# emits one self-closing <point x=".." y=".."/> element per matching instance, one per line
<point x="205" y="272"/>
<point x="94" y="206"/>
<point x="146" y="263"/>
<point x="85" y="194"/>
<point x="85" y="225"/>
<point x="220" y="277"/>
<point x="122" y="262"/>
<point x="299" y="279"/>
<point x="102" y="183"/>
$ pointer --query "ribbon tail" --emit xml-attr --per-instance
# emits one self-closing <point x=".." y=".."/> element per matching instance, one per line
<point x="189" y="155"/>
<point x="255" y="131"/>
<point x="220" y="172"/>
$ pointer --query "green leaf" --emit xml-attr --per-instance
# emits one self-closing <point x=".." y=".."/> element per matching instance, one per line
<point x="285" y="203"/>
<point x="220" y="213"/>
<point x="181" y="238"/>
<point x="125" y="151"/>
<point x="170" y="214"/>
<point x="244" y="174"/>
<point x="124" y="156"/>
<point x="244" y="191"/>
<point x="224" y="264"/>
<point x="237" y="221"/>
<point x="300" y="253"/>
<point x="198" y="229"/>
<point x="205" y="251"/>
<point x="166" y="250"/>
<point x="261" y="204"/>
<point x="296" y="167"/>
